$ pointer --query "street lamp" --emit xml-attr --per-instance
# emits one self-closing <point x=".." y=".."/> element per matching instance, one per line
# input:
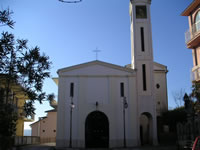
<point x="72" y="106"/>
<point x="71" y="109"/>
<point x="125" y="106"/>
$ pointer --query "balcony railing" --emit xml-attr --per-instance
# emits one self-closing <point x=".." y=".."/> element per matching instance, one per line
<point x="195" y="74"/>
<point x="191" y="33"/>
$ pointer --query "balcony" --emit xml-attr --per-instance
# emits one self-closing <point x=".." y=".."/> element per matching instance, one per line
<point x="195" y="74"/>
<point x="192" y="36"/>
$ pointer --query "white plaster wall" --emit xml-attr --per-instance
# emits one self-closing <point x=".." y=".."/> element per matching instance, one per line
<point x="61" y="134"/>
<point x="97" y="90"/>
<point x="133" y="133"/>
<point x="161" y="92"/>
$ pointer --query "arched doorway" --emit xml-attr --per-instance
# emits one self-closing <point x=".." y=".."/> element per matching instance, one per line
<point x="146" y="129"/>
<point x="97" y="130"/>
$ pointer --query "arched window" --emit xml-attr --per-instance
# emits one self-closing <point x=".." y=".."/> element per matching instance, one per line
<point x="197" y="21"/>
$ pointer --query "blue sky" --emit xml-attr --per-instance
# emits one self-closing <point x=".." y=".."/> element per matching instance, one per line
<point x="68" y="33"/>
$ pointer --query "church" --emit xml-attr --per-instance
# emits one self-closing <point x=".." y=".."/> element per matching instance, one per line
<point x="103" y="105"/>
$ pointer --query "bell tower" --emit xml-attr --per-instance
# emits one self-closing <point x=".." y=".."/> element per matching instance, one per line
<point x="142" y="63"/>
<point x="141" y="34"/>
<point x="141" y="45"/>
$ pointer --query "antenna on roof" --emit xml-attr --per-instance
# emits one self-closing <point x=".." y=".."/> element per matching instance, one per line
<point x="70" y="1"/>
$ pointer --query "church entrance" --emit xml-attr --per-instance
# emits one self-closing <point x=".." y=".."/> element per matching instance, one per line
<point x="146" y="129"/>
<point x="97" y="130"/>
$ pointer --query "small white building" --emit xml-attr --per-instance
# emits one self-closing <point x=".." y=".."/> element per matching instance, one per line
<point x="106" y="105"/>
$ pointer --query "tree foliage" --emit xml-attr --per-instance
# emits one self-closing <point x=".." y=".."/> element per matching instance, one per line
<point x="192" y="101"/>
<point x="23" y="66"/>
<point x="178" y="97"/>
<point x="5" y="18"/>
<point x="8" y="119"/>
<point x="172" y="117"/>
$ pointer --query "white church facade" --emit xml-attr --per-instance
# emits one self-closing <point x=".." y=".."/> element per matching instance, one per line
<point x="106" y="105"/>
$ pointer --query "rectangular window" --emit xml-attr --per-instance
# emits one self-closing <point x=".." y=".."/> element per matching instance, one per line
<point x="144" y="77"/>
<point x="71" y="89"/>
<point x="122" y="89"/>
<point x="142" y="38"/>
<point x="195" y="57"/>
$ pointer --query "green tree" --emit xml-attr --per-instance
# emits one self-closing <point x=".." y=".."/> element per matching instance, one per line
<point x="172" y="117"/>
<point x="195" y="97"/>
<point x="8" y="119"/>
<point x="192" y="101"/>
<point x="23" y="66"/>
<point x="178" y="97"/>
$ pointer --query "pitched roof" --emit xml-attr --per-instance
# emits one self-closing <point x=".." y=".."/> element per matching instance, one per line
<point x="96" y="62"/>
<point x="52" y="110"/>
<point x="40" y="119"/>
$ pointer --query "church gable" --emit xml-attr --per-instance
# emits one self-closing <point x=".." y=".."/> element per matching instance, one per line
<point x="96" y="68"/>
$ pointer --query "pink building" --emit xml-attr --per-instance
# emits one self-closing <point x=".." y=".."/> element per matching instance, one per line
<point x="45" y="127"/>
<point x="192" y="36"/>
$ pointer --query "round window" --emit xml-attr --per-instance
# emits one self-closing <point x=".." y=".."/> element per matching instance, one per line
<point x="157" y="86"/>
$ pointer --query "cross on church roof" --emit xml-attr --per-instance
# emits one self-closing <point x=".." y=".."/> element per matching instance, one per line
<point x="96" y="51"/>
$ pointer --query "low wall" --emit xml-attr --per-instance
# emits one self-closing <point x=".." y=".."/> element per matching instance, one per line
<point x="26" y="140"/>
